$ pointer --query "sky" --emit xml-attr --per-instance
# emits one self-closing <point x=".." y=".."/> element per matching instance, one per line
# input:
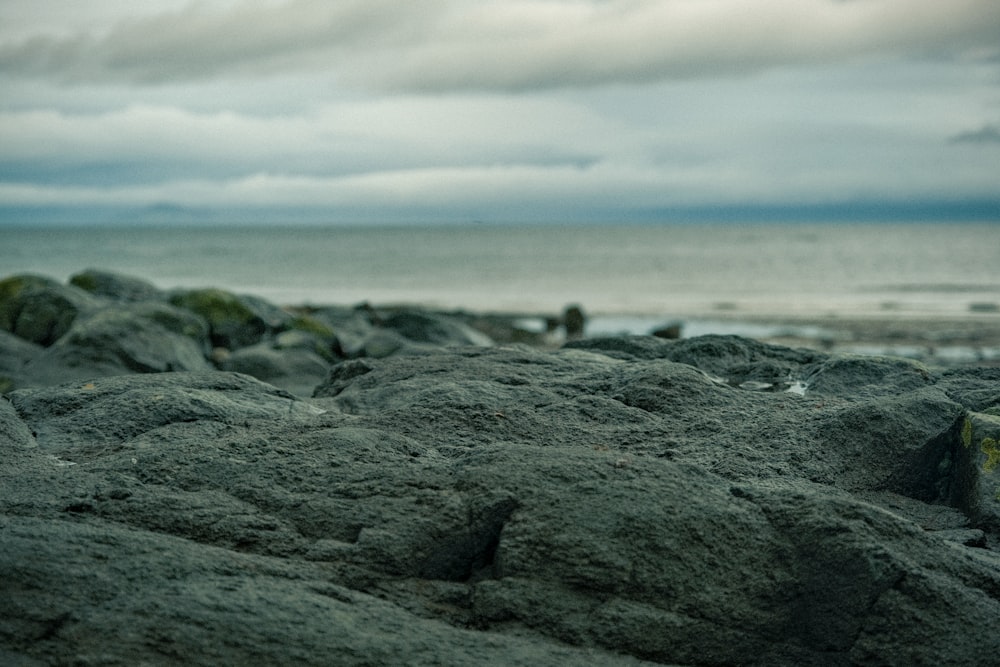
<point x="363" y="111"/>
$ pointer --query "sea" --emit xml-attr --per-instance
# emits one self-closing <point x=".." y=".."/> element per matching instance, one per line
<point x="625" y="277"/>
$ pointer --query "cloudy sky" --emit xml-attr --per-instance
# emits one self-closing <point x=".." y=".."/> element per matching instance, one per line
<point x="498" y="110"/>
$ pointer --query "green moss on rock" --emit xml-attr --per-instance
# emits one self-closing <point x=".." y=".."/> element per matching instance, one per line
<point x="39" y="309"/>
<point x="232" y="322"/>
<point x="967" y="433"/>
<point x="992" y="450"/>
<point x="311" y="325"/>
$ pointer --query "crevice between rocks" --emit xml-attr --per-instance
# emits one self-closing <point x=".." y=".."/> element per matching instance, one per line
<point x="470" y="556"/>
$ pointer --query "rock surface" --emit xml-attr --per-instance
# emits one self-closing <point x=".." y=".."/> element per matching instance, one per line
<point x="407" y="492"/>
<point x="710" y="501"/>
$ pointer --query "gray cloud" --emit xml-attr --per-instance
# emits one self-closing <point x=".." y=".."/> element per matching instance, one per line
<point x="619" y="105"/>
<point x="447" y="45"/>
<point x="988" y="134"/>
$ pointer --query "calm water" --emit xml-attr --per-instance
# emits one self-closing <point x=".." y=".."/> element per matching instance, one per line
<point x="652" y="271"/>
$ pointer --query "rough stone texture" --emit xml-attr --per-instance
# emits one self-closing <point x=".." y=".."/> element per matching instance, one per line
<point x="615" y="502"/>
<point x="15" y="353"/>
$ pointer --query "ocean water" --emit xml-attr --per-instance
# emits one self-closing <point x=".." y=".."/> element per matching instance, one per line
<point x="640" y="274"/>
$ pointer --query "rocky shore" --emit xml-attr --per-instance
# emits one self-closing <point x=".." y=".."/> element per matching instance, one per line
<point x="198" y="477"/>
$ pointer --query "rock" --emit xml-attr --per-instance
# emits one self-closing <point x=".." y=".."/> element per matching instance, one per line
<point x="864" y="374"/>
<point x="38" y="309"/>
<point x="15" y="353"/>
<point x="14" y="433"/>
<point x="670" y="331"/>
<point x="233" y="321"/>
<point x="977" y="469"/>
<point x="116" y="286"/>
<point x="351" y="326"/>
<point x="296" y="370"/>
<point x="599" y="504"/>
<point x="574" y="322"/>
<point x="423" y="327"/>
<point x="308" y="333"/>
<point x="90" y="415"/>
<point x="381" y="343"/>
<point x="144" y="338"/>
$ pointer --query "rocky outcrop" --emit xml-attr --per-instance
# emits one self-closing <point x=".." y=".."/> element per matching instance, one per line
<point x="710" y="501"/>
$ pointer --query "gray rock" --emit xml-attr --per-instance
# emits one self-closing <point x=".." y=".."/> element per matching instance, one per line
<point x="144" y="338"/>
<point x="15" y="353"/>
<point x="381" y="343"/>
<point x="39" y="309"/>
<point x="113" y="410"/>
<point x="352" y="326"/>
<point x="116" y="286"/>
<point x="424" y="327"/>
<point x="296" y="370"/>
<point x="234" y="321"/>
<point x="502" y="506"/>
<point x="14" y="433"/>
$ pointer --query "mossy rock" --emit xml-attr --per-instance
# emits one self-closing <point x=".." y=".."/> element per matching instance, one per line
<point x="979" y="464"/>
<point x="174" y="319"/>
<point x="40" y="309"/>
<point x="326" y="346"/>
<point x="12" y="290"/>
<point x="115" y="286"/>
<point x="232" y="322"/>
<point x="313" y="326"/>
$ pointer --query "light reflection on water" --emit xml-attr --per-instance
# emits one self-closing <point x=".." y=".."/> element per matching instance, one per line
<point x="665" y="272"/>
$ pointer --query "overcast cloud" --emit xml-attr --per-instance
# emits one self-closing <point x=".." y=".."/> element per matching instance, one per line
<point x="497" y="110"/>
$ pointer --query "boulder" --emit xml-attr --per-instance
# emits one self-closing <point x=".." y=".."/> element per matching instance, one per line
<point x="307" y="333"/>
<point x="423" y="327"/>
<point x="234" y="321"/>
<point x="39" y="309"/>
<point x="116" y="286"/>
<point x="296" y="370"/>
<point x="351" y="325"/>
<point x="142" y="338"/>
